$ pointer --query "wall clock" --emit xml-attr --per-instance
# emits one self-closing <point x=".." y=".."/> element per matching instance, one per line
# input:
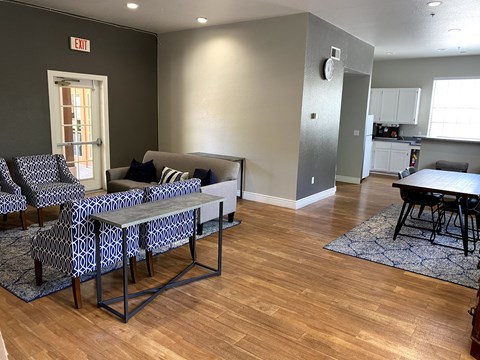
<point x="328" y="69"/>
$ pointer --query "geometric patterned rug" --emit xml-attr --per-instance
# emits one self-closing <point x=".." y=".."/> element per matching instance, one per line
<point x="373" y="240"/>
<point x="17" y="273"/>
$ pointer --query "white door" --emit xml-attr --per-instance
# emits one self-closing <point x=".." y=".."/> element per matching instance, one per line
<point x="78" y="117"/>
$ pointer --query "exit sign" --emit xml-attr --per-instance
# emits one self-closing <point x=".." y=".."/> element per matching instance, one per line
<point x="79" y="44"/>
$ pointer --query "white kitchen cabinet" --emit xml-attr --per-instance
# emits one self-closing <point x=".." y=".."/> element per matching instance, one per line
<point x="388" y="112"/>
<point x="408" y="102"/>
<point x="395" y="105"/>
<point x="390" y="157"/>
<point x="381" y="155"/>
<point x="399" y="157"/>
<point x="375" y="104"/>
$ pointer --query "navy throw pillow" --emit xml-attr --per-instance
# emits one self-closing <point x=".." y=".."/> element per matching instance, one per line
<point x="142" y="172"/>
<point x="207" y="177"/>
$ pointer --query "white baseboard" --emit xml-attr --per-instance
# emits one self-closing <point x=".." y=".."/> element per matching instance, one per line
<point x="290" y="204"/>
<point x="315" y="197"/>
<point x="348" y="179"/>
<point x="271" y="200"/>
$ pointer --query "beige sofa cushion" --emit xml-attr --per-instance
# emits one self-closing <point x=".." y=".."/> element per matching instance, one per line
<point x="224" y="170"/>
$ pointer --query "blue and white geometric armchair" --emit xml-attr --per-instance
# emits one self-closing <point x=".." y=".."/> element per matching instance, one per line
<point x="11" y="198"/>
<point x="69" y="246"/>
<point x="46" y="181"/>
<point x="165" y="232"/>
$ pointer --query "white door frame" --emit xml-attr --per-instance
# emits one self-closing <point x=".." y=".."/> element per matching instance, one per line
<point x="104" y="119"/>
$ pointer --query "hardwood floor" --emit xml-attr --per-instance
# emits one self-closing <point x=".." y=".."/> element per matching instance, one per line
<point x="280" y="296"/>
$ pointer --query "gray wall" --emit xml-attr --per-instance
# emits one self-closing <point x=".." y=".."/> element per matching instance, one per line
<point x="451" y="150"/>
<point x="237" y="90"/>
<point x="421" y="73"/>
<point x="248" y="89"/>
<point x="320" y="137"/>
<point x="34" y="41"/>
<point x="354" y="111"/>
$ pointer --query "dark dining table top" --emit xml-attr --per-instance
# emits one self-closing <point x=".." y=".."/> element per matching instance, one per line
<point x="444" y="182"/>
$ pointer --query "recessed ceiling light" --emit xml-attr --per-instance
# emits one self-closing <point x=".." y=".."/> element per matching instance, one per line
<point x="202" y="20"/>
<point x="389" y="53"/>
<point x="454" y="30"/>
<point x="441" y="49"/>
<point x="132" y="6"/>
<point x="434" y="3"/>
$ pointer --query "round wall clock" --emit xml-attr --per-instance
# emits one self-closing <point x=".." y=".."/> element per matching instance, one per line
<point x="328" y="69"/>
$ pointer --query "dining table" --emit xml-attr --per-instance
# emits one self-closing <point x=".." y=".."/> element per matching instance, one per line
<point x="463" y="186"/>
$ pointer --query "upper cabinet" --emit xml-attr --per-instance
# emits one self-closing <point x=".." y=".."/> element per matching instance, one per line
<point x="394" y="105"/>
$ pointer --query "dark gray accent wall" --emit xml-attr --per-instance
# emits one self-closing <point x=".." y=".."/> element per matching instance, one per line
<point x="319" y="138"/>
<point x="35" y="40"/>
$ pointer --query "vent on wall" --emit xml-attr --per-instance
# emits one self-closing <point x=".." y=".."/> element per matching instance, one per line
<point x="335" y="53"/>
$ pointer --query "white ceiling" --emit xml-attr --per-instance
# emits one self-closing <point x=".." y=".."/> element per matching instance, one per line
<point x="404" y="28"/>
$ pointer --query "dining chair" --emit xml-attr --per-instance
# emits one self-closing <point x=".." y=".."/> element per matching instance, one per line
<point x="451" y="204"/>
<point x="451" y="166"/>
<point x="410" y="200"/>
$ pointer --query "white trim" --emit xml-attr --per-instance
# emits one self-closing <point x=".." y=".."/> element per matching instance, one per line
<point x="104" y="115"/>
<point x="271" y="200"/>
<point x="316" y="197"/>
<point x="287" y="203"/>
<point x="348" y="179"/>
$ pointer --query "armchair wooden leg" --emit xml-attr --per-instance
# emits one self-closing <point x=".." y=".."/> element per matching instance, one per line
<point x="40" y="217"/>
<point x="149" y="258"/>
<point x="38" y="273"/>
<point x="77" y="295"/>
<point x="133" y="268"/>
<point x="230" y="217"/>
<point x="5" y="217"/>
<point x="199" y="229"/>
<point x="23" y="219"/>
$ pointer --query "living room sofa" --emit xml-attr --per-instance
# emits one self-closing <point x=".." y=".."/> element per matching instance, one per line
<point x="226" y="173"/>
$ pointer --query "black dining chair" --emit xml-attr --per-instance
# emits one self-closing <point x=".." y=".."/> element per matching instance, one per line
<point x="410" y="200"/>
<point x="451" y="205"/>
<point x="451" y="166"/>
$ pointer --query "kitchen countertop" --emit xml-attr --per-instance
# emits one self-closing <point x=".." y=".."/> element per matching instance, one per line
<point x="407" y="140"/>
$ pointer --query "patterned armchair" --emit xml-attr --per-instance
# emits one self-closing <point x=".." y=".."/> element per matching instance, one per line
<point x="69" y="246"/>
<point x="165" y="232"/>
<point x="11" y="198"/>
<point x="46" y="181"/>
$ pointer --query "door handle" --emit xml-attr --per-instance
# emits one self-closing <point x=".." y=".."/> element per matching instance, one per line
<point x="97" y="142"/>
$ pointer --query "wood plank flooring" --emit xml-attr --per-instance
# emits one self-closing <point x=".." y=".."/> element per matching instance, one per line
<point x="280" y="296"/>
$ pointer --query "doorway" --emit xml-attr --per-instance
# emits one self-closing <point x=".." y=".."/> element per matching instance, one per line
<point x="79" y="124"/>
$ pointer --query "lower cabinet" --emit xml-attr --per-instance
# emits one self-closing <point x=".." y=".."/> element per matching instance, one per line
<point x="390" y="157"/>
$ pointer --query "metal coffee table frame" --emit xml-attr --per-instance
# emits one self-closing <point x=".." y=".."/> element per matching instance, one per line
<point x="136" y="215"/>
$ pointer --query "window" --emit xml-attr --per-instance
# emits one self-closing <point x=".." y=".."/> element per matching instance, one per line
<point x="455" y="110"/>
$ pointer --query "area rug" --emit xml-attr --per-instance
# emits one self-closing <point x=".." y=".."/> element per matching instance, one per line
<point x="373" y="240"/>
<point x="17" y="273"/>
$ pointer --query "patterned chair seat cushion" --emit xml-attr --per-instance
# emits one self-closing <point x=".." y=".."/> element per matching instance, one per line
<point x="57" y="193"/>
<point x="69" y="245"/>
<point x="11" y="198"/>
<point x="166" y="231"/>
<point x="12" y="203"/>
